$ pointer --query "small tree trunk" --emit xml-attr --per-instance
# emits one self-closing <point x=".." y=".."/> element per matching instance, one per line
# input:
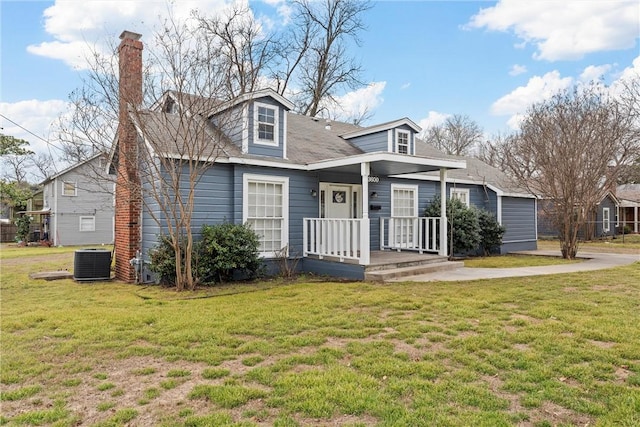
<point x="179" y="273"/>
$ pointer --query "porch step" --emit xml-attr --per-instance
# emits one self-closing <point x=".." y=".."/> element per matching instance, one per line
<point x="414" y="270"/>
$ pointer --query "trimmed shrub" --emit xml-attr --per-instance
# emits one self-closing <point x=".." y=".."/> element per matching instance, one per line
<point x="163" y="260"/>
<point x="462" y="225"/>
<point x="227" y="249"/>
<point x="491" y="231"/>
<point x="224" y="251"/>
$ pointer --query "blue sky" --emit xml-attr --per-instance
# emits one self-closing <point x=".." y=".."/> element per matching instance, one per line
<point x="422" y="59"/>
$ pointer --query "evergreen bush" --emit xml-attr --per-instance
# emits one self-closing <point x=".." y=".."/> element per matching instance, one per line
<point x="222" y="252"/>
<point x="491" y="231"/>
<point x="23" y="223"/>
<point x="227" y="249"/>
<point x="463" y="226"/>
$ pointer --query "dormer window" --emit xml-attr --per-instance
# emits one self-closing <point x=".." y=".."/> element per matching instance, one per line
<point x="402" y="142"/>
<point x="266" y="129"/>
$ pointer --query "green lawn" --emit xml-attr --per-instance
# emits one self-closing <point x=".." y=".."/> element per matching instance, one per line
<point x="515" y="260"/>
<point x="536" y="351"/>
<point x="630" y="243"/>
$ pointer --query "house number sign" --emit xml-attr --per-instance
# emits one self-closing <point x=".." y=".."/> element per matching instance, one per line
<point x="374" y="179"/>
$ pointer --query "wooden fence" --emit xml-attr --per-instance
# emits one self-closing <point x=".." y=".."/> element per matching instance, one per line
<point x="8" y="232"/>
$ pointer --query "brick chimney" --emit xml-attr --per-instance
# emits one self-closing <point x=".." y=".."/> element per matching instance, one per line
<point x="128" y="196"/>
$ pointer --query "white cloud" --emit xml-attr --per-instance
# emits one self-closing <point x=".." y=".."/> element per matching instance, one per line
<point x="77" y="27"/>
<point x="517" y="69"/>
<point x="434" y="118"/>
<point x="361" y="101"/>
<point x="36" y="116"/>
<point x="631" y="72"/>
<point x="405" y="86"/>
<point x="594" y="73"/>
<point x="537" y="89"/>
<point x="566" y="29"/>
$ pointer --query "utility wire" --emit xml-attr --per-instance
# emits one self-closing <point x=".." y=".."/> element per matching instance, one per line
<point x="31" y="133"/>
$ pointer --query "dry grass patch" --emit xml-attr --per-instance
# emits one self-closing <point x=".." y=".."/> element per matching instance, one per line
<point x="517" y="351"/>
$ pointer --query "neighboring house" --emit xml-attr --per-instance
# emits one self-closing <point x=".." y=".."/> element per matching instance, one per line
<point x="78" y="206"/>
<point x="332" y="193"/>
<point x="629" y="206"/>
<point x="601" y="221"/>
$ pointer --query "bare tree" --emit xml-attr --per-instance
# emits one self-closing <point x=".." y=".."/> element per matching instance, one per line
<point x="492" y="151"/>
<point x="325" y="66"/>
<point x="458" y="135"/>
<point x="165" y="141"/>
<point x="43" y="164"/>
<point x="239" y="47"/>
<point x="569" y="152"/>
<point x="16" y="167"/>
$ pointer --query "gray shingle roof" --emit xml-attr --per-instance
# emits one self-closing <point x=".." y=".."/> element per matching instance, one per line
<point x="628" y="192"/>
<point x="176" y="135"/>
<point x="309" y="140"/>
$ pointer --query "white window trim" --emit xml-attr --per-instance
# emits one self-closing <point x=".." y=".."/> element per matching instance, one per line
<point x="256" y="123"/>
<point x="452" y="191"/>
<point x="248" y="177"/>
<point x="93" y="228"/>
<point x="75" y="188"/>
<point x="397" y="145"/>
<point x="405" y="187"/>
<point x="607" y="222"/>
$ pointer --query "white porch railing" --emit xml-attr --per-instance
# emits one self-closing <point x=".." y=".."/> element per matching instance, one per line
<point x="410" y="234"/>
<point x="333" y="237"/>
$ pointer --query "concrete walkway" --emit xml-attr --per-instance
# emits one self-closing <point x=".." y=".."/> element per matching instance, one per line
<point x="592" y="261"/>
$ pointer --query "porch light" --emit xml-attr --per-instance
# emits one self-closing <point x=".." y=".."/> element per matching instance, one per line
<point x="374" y="195"/>
<point x="313" y="192"/>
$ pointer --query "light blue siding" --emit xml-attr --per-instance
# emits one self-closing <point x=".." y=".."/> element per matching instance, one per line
<point x="372" y="143"/>
<point x="301" y="203"/>
<point x="214" y="201"/>
<point x="261" y="149"/>
<point x="599" y="225"/>
<point x="519" y="219"/>
<point x="94" y="199"/>
<point x="232" y="124"/>
<point x="333" y="269"/>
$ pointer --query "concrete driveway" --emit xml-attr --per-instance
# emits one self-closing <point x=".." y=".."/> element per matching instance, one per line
<point x="592" y="261"/>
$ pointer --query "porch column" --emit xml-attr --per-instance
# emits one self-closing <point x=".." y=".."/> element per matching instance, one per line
<point x="444" y="238"/>
<point x="635" y="219"/>
<point x="365" y="249"/>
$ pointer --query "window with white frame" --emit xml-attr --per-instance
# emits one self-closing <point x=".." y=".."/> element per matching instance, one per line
<point x="606" y="220"/>
<point x="402" y="142"/>
<point x="404" y="202"/>
<point x="266" y="209"/>
<point x="461" y="194"/>
<point x="69" y="188"/>
<point x="266" y="129"/>
<point x="87" y="223"/>
<point x="404" y="212"/>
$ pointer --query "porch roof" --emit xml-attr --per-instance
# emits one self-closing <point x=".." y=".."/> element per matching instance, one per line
<point x="383" y="163"/>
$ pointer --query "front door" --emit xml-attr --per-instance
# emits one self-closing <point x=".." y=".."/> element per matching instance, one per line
<point x="340" y="201"/>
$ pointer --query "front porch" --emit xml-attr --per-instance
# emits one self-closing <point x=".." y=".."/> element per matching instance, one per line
<point x="384" y="265"/>
<point x="348" y="239"/>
